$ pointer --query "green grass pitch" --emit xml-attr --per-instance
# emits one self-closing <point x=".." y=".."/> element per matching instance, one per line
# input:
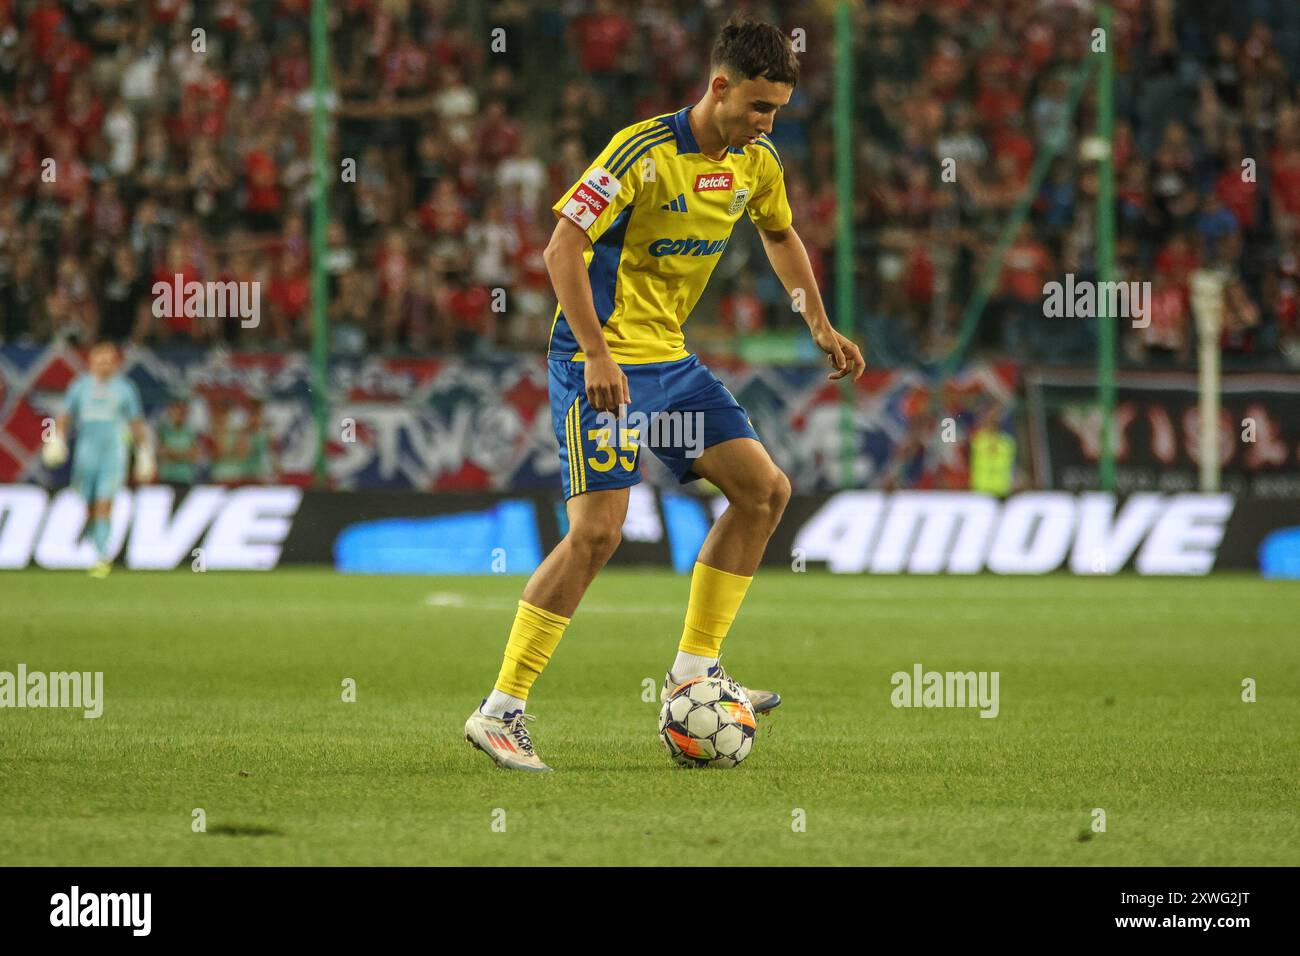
<point x="223" y="693"/>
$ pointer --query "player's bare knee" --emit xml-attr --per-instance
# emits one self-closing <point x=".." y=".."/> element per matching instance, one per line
<point x="775" y="496"/>
<point x="596" y="540"/>
<point x="764" y="499"/>
<point x="779" y="494"/>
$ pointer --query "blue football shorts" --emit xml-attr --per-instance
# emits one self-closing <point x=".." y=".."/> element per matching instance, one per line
<point x="98" y="473"/>
<point x="678" y="409"/>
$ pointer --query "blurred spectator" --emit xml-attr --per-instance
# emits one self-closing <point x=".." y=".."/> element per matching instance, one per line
<point x="742" y="310"/>
<point x="178" y="446"/>
<point x="227" y="446"/>
<point x="260" y="462"/>
<point x="472" y="323"/>
<point x="1166" y="340"/>
<point x="448" y="155"/>
<point x="1026" y="270"/>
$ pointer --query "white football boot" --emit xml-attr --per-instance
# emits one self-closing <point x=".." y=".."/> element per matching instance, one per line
<point x="505" y="741"/>
<point x="763" y="701"/>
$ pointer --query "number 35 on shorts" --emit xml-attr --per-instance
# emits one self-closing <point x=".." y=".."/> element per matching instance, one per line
<point x="606" y="455"/>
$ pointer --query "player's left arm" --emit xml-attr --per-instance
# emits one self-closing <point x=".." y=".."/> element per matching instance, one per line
<point x="785" y="250"/>
<point x="769" y="211"/>
<point x="141" y="434"/>
<point x="146" y="464"/>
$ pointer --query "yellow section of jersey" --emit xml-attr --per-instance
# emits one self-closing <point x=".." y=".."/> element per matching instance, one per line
<point x="659" y="213"/>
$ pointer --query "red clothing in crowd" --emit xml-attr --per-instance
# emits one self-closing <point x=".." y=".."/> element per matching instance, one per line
<point x="918" y="275"/>
<point x="261" y="175"/>
<point x="1176" y="262"/>
<point x="994" y="105"/>
<point x="203" y="107"/>
<point x="1168" y="328"/>
<point x="469" y="307"/>
<point x="1024" y="271"/>
<point x="43" y="24"/>
<point x="394" y="272"/>
<point x="293" y="72"/>
<point x="1039" y="46"/>
<point x="1286" y="181"/>
<point x="177" y="321"/>
<point x="67" y="60"/>
<point x="290" y="294"/>
<point x="601" y="41"/>
<point x="84" y="121"/>
<point x="531" y="265"/>
<point x="405" y="67"/>
<point x="166" y="11"/>
<point x="1237" y="196"/>
<point x="1013" y="143"/>
<point x="73" y="180"/>
<point x="497" y="140"/>
<point x="440" y="219"/>
<point x="944" y="70"/>
<point x="742" y="312"/>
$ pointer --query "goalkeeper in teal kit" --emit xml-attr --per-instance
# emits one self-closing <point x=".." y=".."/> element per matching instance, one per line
<point x="104" y="410"/>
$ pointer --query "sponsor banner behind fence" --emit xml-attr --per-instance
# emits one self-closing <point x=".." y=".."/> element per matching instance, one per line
<point x="210" y="528"/>
<point x="450" y="424"/>
<point x="1157" y="425"/>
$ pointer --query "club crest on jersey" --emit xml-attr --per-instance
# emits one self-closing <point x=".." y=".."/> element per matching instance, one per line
<point x="709" y="181"/>
<point x="738" y="201"/>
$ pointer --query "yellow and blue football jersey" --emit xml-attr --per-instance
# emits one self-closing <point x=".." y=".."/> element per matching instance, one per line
<point x="659" y="213"/>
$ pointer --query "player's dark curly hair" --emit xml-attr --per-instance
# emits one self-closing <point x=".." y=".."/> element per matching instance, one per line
<point x="751" y="48"/>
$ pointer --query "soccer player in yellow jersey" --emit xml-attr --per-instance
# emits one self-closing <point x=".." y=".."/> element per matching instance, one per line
<point x="636" y="240"/>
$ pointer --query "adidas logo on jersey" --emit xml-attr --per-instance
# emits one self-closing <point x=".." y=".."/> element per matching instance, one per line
<point x="677" y="205"/>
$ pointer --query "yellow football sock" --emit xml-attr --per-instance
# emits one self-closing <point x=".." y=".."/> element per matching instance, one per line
<point x="715" y="599"/>
<point x="532" y="641"/>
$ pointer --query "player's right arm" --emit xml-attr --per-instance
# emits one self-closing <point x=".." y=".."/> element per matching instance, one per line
<point x="591" y="206"/>
<point x="605" y="382"/>
<point x="70" y="398"/>
<point x="55" y="452"/>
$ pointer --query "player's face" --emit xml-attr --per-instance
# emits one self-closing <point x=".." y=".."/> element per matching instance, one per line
<point x="748" y="109"/>
<point x="102" y="363"/>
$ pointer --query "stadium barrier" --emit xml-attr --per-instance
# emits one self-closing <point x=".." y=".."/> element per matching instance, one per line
<point x="1157" y="425"/>
<point x="210" y="528"/>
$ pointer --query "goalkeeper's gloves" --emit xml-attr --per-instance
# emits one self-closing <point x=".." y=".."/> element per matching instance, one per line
<point x="54" y="452"/>
<point x="146" y="467"/>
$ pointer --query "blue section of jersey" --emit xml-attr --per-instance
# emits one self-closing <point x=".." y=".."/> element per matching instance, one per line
<point x="602" y="272"/>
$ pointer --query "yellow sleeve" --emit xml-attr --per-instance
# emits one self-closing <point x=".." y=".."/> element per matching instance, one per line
<point x="612" y="182"/>
<point x="769" y="209"/>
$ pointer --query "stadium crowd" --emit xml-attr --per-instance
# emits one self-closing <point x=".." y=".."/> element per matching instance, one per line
<point x="134" y="149"/>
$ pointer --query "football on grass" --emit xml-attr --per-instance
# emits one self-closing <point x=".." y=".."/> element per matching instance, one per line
<point x="707" y="722"/>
